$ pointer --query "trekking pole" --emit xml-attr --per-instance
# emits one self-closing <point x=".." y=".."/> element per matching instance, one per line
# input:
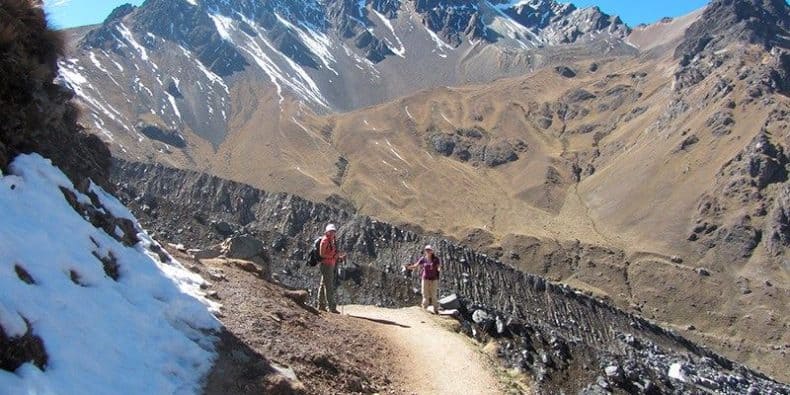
<point x="342" y="307"/>
<point x="337" y="276"/>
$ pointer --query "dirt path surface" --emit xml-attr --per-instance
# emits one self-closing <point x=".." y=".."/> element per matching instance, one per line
<point x="428" y="357"/>
<point x="274" y="344"/>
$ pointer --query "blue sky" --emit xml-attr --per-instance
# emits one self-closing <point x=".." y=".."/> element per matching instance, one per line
<point x="634" y="12"/>
<point x="70" y="13"/>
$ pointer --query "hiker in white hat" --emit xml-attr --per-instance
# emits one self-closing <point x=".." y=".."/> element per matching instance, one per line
<point x="329" y="258"/>
<point x="430" y="268"/>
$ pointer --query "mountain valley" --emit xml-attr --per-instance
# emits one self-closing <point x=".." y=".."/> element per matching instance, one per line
<point x="647" y="165"/>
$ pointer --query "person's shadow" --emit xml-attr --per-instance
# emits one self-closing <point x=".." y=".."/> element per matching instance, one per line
<point x="380" y="321"/>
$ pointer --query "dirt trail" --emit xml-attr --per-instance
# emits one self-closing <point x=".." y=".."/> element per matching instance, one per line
<point x="274" y="344"/>
<point x="428" y="357"/>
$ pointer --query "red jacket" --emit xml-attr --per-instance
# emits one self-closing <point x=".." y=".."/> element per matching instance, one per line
<point x="328" y="251"/>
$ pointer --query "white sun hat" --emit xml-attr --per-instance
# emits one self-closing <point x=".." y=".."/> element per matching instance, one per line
<point x="330" y="228"/>
<point x="428" y="248"/>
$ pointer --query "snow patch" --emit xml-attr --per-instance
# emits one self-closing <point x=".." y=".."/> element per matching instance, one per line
<point x="440" y="44"/>
<point x="172" y="101"/>
<point x="223" y="24"/>
<point x="395" y="152"/>
<point x="507" y="27"/>
<point x="676" y="371"/>
<point x="212" y="77"/>
<point x="408" y="113"/>
<point x="301" y="84"/>
<point x="71" y="76"/>
<point x="360" y="61"/>
<point x="149" y="332"/>
<point x="318" y="43"/>
<point x="401" y="50"/>
<point x="388" y="164"/>
<point x="127" y="35"/>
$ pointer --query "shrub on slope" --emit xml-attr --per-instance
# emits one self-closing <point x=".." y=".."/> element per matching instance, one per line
<point x="35" y="113"/>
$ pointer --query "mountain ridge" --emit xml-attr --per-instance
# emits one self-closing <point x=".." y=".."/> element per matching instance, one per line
<point x="299" y="50"/>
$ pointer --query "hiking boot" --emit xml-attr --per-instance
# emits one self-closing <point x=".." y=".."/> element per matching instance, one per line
<point x="322" y="309"/>
<point x="334" y="311"/>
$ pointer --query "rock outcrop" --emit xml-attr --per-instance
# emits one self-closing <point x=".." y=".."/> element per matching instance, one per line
<point x="748" y="204"/>
<point x="475" y="146"/>
<point x="764" y="22"/>
<point x="724" y="22"/>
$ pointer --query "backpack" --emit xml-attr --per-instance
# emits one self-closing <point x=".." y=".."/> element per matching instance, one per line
<point x="314" y="257"/>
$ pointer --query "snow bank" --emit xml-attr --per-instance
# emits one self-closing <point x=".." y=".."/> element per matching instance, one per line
<point x="150" y="332"/>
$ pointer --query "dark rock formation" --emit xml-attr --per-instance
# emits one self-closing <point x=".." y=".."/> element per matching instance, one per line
<point x="243" y="247"/>
<point x="169" y="137"/>
<point x="375" y="49"/>
<point x="778" y="227"/>
<point x="121" y="229"/>
<point x="617" y="96"/>
<point x="387" y="7"/>
<point x="452" y="20"/>
<point x="197" y="32"/>
<point x="686" y="143"/>
<point x="172" y="89"/>
<point x="565" y="71"/>
<point x="764" y="22"/>
<point x="578" y="95"/>
<point x="499" y="153"/>
<point x="286" y="42"/>
<point x="755" y="181"/>
<point x="721" y="123"/>
<point x="476" y="147"/>
<point x="342" y="168"/>
<point x="564" y="339"/>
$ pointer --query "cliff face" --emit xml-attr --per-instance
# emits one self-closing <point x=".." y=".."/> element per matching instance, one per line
<point x="35" y="115"/>
<point x="564" y="338"/>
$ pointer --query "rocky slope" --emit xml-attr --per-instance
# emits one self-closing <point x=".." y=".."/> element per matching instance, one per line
<point x="565" y="339"/>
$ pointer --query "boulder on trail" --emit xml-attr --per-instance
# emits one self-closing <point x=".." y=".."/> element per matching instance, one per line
<point x="613" y="372"/>
<point x="223" y="228"/>
<point x="208" y="253"/>
<point x="242" y="247"/>
<point x="450" y="302"/>
<point x="480" y="316"/>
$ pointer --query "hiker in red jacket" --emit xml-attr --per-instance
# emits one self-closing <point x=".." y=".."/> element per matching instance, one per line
<point x="329" y="258"/>
<point x="430" y="267"/>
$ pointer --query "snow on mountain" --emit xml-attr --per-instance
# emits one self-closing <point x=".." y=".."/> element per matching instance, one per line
<point x="100" y="312"/>
<point x="332" y="56"/>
